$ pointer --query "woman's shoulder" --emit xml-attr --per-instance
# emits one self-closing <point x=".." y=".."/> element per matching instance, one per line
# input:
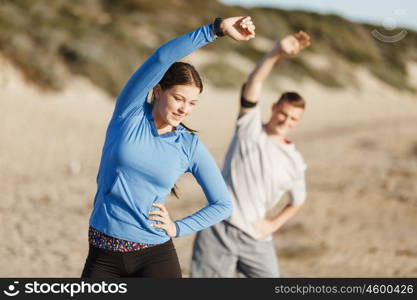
<point x="189" y="140"/>
<point x="189" y="137"/>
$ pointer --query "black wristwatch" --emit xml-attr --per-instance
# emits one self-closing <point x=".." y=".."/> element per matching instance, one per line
<point x="218" y="32"/>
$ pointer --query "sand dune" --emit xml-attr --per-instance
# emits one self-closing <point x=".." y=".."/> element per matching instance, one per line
<point x="360" y="146"/>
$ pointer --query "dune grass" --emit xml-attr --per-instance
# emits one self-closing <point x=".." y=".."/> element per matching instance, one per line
<point x="106" y="40"/>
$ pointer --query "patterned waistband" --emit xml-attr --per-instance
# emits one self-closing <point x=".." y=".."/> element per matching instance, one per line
<point x="104" y="241"/>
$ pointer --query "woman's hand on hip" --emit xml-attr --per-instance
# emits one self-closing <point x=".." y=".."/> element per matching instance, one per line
<point x="238" y="28"/>
<point x="163" y="217"/>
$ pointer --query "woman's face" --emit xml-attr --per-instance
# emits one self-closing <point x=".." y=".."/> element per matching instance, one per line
<point x="174" y="104"/>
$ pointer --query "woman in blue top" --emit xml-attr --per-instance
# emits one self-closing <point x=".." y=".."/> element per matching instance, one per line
<point x="147" y="148"/>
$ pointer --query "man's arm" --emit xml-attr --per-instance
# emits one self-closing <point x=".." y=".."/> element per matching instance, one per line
<point x="266" y="227"/>
<point x="289" y="46"/>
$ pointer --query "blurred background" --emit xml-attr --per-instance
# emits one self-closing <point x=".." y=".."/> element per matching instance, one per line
<point x="63" y="62"/>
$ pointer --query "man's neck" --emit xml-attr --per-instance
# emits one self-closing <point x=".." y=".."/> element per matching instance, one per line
<point x="276" y="136"/>
<point x="280" y="139"/>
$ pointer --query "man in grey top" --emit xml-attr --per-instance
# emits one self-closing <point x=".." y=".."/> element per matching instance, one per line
<point x="260" y="167"/>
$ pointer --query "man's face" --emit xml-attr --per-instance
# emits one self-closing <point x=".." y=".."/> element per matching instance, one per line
<point x="284" y="117"/>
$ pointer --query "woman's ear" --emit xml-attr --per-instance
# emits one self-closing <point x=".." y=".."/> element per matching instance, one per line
<point x="157" y="91"/>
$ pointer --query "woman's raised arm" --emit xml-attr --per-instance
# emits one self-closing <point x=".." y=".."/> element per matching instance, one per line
<point x="133" y="95"/>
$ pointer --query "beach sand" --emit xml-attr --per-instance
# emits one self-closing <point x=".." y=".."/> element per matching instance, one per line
<point x="360" y="146"/>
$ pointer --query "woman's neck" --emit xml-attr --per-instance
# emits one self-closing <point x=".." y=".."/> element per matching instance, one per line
<point x="161" y="126"/>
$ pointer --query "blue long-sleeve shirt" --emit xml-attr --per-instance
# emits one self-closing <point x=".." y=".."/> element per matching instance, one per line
<point x="139" y="167"/>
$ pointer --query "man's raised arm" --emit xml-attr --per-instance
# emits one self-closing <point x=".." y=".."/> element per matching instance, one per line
<point x="289" y="46"/>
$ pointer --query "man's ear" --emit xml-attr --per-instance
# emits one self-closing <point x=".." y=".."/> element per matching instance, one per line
<point x="274" y="106"/>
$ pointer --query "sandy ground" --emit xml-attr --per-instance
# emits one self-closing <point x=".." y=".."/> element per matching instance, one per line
<point x="360" y="218"/>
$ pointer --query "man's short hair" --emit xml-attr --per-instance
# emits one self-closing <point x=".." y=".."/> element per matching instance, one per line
<point x="292" y="98"/>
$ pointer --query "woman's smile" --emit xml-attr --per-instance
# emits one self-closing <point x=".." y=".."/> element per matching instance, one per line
<point x="178" y="117"/>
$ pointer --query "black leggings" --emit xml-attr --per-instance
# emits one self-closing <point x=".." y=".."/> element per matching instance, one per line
<point x="159" y="261"/>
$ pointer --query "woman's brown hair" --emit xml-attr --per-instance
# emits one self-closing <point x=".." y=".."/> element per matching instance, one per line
<point x="181" y="73"/>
